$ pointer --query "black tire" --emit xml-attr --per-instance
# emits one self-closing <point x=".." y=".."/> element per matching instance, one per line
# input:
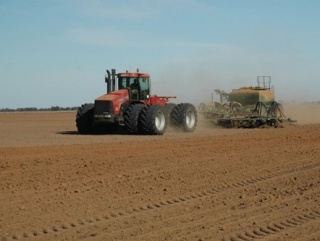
<point x="84" y="118"/>
<point x="124" y="107"/>
<point x="131" y="118"/>
<point x="153" y="120"/>
<point x="168" y="108"/>
<point x="185" y="117"/>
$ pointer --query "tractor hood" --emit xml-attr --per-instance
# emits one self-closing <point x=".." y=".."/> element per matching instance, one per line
<point x="117" y="98"/>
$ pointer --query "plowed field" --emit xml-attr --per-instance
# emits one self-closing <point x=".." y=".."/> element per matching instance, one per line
<point x="213" y="184"/>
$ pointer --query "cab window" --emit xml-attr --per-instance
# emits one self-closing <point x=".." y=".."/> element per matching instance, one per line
<point x="144" y="88"/>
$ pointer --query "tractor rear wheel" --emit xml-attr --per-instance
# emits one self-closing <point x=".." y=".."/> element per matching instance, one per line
<point x="153" y="120"/>
<point x="185" y="116"/>
<point x="131" y="118"/>
<point x="84" y="118"/>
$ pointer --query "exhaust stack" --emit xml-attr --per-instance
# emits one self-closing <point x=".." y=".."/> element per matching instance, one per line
<point x="110" y="79"/>
<point x="113" y="75"/>
<point x="107" y="80"/>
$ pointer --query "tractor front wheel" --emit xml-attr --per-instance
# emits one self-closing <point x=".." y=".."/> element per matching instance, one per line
<point x="131" y="118"/>
<point x="153" y="120"/>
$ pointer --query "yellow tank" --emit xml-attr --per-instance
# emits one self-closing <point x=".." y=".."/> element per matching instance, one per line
<point x="251" y="95"/>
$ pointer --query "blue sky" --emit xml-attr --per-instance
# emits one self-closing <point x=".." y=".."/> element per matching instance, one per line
<point x="55" y="53"/>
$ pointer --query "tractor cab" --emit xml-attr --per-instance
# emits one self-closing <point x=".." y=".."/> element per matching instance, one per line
<point x="137" y="84"/>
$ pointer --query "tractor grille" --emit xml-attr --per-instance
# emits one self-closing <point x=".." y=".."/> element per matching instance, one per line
<point x="103" y="107"/>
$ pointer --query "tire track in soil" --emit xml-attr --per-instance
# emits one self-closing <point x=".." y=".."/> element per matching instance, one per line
<point x="274" y="228"/>
<point x="201" y="221"/>
<point x="314" y="236"/>
<point x="247" y="235"/>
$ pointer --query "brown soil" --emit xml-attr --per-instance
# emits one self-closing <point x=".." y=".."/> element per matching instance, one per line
<point x="213" y="184"/>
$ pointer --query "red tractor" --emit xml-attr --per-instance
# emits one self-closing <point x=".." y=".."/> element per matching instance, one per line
<point x="128" y="105"/>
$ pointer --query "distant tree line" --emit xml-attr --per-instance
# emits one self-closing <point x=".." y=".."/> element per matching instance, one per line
<point x="52" y="108"/>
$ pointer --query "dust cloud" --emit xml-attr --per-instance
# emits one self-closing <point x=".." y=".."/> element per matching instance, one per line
<point x="303" y="113"/>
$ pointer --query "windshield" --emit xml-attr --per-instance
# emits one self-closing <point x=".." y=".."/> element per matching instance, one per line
<point x="125" y="82"/>
<point x="140" y="84"/>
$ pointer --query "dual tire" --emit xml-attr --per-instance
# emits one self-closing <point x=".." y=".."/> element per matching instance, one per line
<point x="184" y="116"/>
<point x="145" y="119"/>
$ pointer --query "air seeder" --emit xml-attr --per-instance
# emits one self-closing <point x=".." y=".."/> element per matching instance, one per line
<point x="128" y="105"/>
<point x="249" y="107"/>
